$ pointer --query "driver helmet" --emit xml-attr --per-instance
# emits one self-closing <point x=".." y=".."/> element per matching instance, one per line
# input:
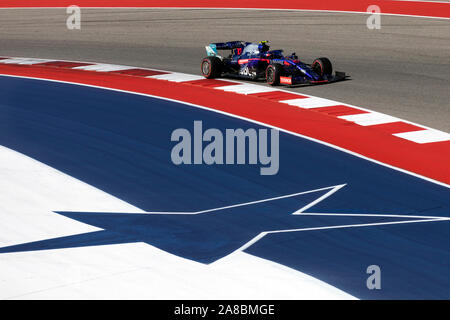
<point x="263" y="46"/>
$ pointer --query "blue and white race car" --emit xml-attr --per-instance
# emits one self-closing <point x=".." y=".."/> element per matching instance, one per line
<point x="255" y="61"/>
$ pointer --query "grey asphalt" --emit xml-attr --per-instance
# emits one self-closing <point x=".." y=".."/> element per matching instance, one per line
<point x="403" y="69"/>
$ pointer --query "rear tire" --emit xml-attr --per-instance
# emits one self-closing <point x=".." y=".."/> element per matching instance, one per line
<point x="211" y="67"/>
<point x="273" y="73"/>
<point x="322" y="66"/>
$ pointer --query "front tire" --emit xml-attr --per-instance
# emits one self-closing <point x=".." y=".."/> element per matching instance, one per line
<point x="211" y="67"/>
<point x="322" y="66"/>
<point x="273" y="73"/>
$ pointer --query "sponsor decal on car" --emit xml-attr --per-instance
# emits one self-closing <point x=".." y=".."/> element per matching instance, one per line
<point x="286" y="80"/>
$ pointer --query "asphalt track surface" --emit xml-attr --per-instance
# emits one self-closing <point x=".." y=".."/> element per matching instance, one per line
<point x="403" y="69"/>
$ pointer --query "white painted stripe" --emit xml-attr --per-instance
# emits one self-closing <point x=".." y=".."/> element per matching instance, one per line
<point x="370" y="119"/>
<point x="424" y="136"/>
<point x="324" y="196"/>
<point x="177" y="77"/>
<point x="246" y="88"/>
<point x="333" y="189"/>
<point x="25" y="61"/>
<point x="309" y="103"/>
<point x="103" y="67"/>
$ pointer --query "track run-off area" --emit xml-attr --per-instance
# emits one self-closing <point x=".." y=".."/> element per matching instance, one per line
<point x="93" y="207"/>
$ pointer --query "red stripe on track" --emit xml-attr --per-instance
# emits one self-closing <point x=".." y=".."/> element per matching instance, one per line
<point x="211" y="83"/>
<point x="63" y="64"/>
<point x="139" y="72"/>
<point x="277" y="95"/>
<point x="417" y="8"/>
<point x="396" y="127"/>
<point x="339" y="110"/>
<point x="429" y="160"/>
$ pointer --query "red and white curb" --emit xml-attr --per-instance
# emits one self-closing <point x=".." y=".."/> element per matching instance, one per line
<point x="329" y="121"/>
<point x="360" y="116"/>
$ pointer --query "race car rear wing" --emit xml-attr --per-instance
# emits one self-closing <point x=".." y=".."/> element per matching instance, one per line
<point x="211" y="49"/>
<point x="230" y="45"/>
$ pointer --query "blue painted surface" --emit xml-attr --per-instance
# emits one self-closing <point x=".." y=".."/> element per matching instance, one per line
<point x="120" y="143"/>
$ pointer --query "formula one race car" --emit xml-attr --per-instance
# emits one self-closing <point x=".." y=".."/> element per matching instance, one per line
<point x="254" y="61"/>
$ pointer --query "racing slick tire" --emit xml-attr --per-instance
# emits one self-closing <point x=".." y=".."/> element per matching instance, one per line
<point x="273" y="73"/>
<point x="211" y="67"/>
<point x="322" y="66"/>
